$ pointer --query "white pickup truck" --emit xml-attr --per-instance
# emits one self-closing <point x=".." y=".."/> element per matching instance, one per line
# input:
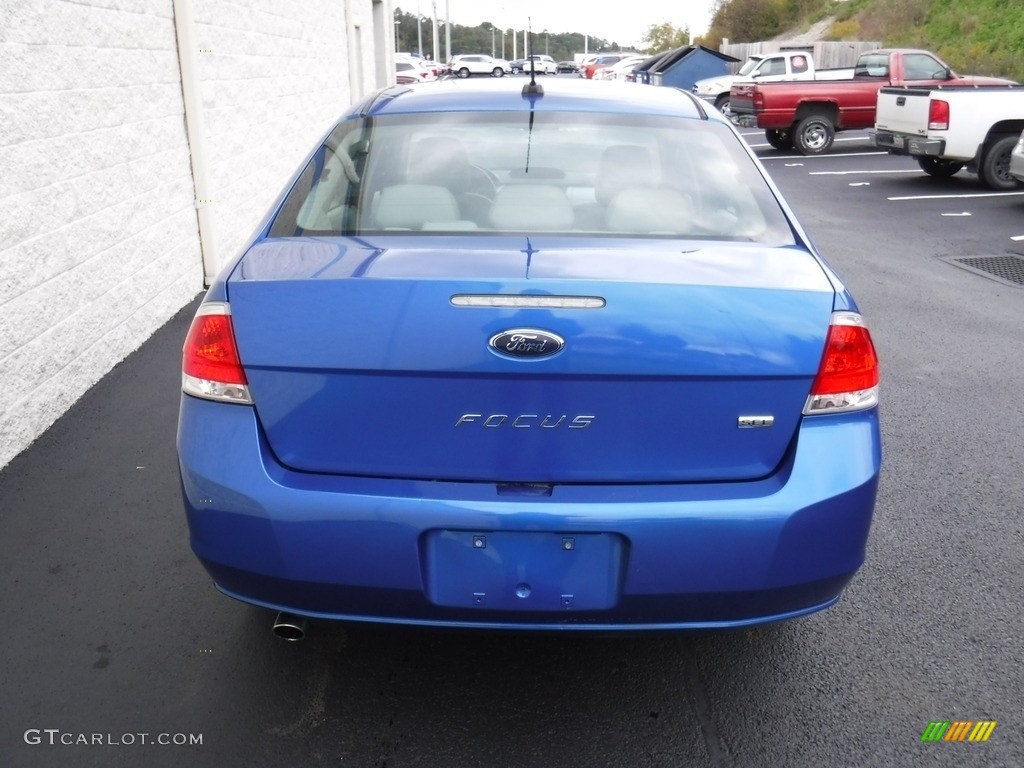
<point x="952" y="127"/>
<point x="765" y="68"/>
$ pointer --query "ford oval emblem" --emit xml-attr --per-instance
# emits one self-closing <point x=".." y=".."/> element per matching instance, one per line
<point x="526" y="343"/>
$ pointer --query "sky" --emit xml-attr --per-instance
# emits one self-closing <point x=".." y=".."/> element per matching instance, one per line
<point x="621" y="21"/>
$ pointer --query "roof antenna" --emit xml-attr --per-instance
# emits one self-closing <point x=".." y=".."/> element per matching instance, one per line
<point x="531" y="88"/>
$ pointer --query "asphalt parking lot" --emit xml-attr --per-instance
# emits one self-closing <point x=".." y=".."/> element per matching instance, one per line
<point x="115" y="631"/>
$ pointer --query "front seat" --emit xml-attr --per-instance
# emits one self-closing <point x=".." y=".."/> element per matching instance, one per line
<point x="443" y="161"/>
<point x="621" y="167"/>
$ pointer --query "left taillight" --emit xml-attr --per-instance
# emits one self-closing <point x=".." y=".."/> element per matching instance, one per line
<point x="210" y="365"/>
<point x="938" y="115"/>
<point x="847" y="377"/>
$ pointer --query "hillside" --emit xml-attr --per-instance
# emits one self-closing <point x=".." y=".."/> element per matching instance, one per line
<point x="979" y="36"/>
<point x="973" y="36"/>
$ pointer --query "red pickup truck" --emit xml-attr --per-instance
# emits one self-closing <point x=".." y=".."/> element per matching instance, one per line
<point x="807" y="115"/>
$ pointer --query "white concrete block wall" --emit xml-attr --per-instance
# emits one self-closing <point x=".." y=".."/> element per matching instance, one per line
<point x="273" y="78"/>
<point x="99" y="241"/>
<point x="98" y="238"/>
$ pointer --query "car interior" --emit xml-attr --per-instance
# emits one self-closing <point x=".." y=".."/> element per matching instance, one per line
<point x="502" y="176"/>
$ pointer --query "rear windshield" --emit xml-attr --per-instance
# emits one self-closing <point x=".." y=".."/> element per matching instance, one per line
<point x="872" y="65"/>
<point x="526" y="173"/>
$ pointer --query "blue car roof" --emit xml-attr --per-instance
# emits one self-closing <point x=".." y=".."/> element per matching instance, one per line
<point x="486" y="94"/>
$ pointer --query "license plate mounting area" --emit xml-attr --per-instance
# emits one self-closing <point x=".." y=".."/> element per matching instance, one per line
<point x="523" y="570"/>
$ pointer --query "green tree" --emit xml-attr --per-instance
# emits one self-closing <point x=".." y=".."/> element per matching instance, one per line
<point x="665" y="37"/>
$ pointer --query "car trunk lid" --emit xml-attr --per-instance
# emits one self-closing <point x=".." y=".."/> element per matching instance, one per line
<point x="693" y="364"/>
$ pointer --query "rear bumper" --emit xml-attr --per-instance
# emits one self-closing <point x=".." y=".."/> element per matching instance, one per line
<point x="465" y="554"/>
<point x="906" y="144"/>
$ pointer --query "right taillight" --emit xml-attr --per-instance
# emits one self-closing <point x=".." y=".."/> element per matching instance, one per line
<point x="938" y="115"/>
<point x="847" y="378"/>
<point x="210" y="365"/>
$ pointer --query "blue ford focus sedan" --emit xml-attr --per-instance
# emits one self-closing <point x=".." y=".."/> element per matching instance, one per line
<point x="553" y="358"/>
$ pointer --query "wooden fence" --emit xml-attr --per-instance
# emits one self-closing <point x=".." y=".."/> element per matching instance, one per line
<point x="827" y="55"/>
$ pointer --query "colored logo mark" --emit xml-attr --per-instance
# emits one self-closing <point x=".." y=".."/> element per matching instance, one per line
<point x="958" y="730"/>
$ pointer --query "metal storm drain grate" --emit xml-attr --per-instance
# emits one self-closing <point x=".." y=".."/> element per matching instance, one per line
<point x="1005" y="269"/>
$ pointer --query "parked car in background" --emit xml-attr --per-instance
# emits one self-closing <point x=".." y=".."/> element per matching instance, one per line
<point x="542" y="64"/>
<point x="567" y="66"/>
<point x="478" y="64"/>
<point x="434" y="67"/>
<point x="581" y="68"/>
<point x="1017" y="160"/>
<point x="620" y="70"/>
<point x="603" y="60"/>
<point x="564" y="362"/>
<point x="414" y="68"/>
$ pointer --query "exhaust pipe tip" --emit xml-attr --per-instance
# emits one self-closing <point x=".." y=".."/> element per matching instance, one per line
<point x="290" y="627"/>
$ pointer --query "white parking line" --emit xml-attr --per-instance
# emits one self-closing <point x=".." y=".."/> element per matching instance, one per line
<point x="962" y="213"/>
<point x="851" y="173"/>
<point x="1018" y="238"/>
<point x="958" y="197"/>
<point x="826" y="156"/>
<point x="835" y="140"/>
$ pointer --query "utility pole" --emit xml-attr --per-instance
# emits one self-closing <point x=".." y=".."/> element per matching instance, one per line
<point x="436" y="52"/>
<point x="419" y="29"/>
<point x="447" y="31"/>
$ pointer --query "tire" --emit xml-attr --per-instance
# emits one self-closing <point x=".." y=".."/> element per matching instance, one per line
<point x="497" y="72"/>
<point x="940" y="169"/>
<point x="779" y="139"/>
<point x="813" y="135"/>
<point x="994" y="170"/>
<point x="722" y="104"/>
<point x="464" y="72"/>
